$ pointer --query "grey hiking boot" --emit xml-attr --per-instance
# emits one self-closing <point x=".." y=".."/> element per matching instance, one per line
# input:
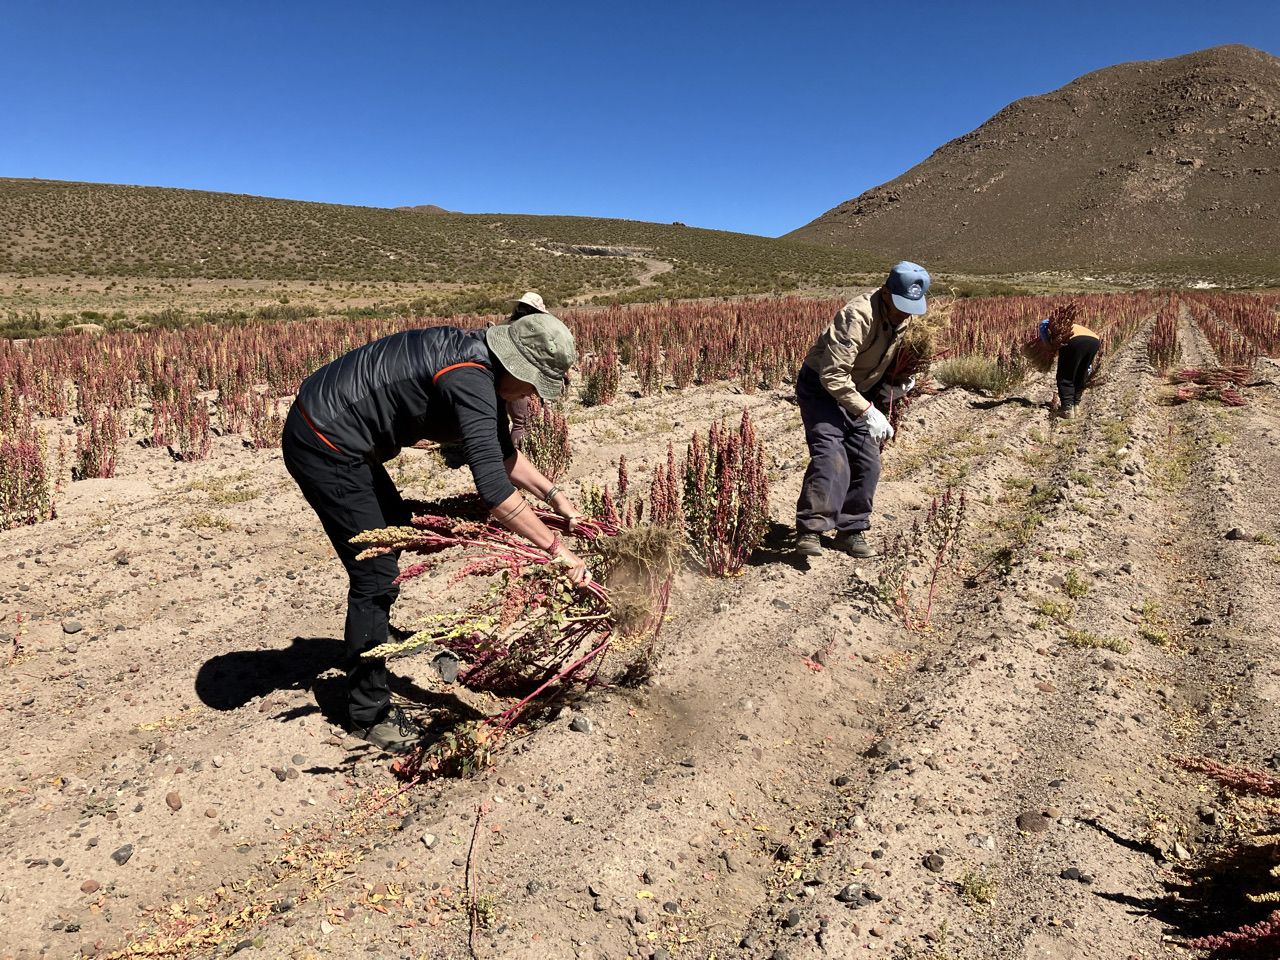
<point x="854" y="544"/>
<point x="809" y="545"/>
<point x="395" y="732"/>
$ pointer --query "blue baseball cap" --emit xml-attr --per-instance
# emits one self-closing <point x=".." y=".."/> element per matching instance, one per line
<point x="908" y="283"/>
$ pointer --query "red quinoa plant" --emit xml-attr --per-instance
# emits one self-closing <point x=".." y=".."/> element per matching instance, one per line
<point x="96" y="445"/>
<point x="25" y="494"/>
<point x="726" y="496"/>
<point x="546" y="440"/>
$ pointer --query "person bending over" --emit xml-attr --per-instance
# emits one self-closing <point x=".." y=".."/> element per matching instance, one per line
<point x="1075" y="364"/>
<point x="842" y="427"/>
<point x="354" y="414"/>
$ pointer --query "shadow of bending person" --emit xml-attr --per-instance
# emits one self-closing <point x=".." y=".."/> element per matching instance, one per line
<point x="230" y="680"/>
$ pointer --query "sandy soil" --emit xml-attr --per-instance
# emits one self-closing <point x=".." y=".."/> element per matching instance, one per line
<point x="172" y="755"/>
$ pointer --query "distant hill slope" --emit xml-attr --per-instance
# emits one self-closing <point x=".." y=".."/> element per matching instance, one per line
<point x="102" y="229"/>
<point x="1165" y="165"/>
<point x="426" y="208"/>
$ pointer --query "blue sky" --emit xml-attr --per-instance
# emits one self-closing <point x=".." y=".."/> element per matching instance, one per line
<point x="743" y="116"/>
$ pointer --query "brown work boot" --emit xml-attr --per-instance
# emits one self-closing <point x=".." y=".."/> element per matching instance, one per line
<point x="854" y="543"/>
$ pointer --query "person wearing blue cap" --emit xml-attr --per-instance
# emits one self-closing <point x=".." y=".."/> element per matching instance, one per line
<point x="843" y="428"/>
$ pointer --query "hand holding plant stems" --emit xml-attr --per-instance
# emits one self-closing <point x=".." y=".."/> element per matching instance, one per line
<point x="532" y="626"/>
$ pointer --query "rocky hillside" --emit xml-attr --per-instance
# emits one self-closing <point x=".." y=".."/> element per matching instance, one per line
<point x="106" y="230"/>
<point x="1166" y="167"/>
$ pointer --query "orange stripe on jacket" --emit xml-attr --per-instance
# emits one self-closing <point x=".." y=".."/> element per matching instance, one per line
<point x="302" y="411"/>
<point x="455" y="367"/>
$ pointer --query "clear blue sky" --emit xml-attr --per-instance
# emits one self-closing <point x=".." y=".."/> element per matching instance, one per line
<point x="743" y="116"/>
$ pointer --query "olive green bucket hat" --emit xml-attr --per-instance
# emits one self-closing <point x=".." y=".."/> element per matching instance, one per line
<point x="537" y="349"/>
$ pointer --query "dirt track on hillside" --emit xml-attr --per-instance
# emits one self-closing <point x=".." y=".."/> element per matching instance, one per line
<point x="729" y="799"/>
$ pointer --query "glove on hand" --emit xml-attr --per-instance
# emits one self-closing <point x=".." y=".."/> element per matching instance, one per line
<point x="890" y="393"/>
<point x="877" y="424"/>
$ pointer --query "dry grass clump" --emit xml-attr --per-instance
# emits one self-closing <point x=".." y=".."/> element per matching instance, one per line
<point x="640" y="561"/>
<point x="205" y="519"/>
<point x="994" y="375"/>
<point x="1085" y="641"/>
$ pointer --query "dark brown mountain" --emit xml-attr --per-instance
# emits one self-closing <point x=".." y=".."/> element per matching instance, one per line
<point x="1164" y="168"/>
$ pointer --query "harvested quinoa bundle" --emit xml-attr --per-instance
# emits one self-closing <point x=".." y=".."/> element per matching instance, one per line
<point x="1062" y="320"/>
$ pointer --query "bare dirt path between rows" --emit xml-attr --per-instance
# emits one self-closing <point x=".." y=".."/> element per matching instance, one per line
<point x="174" y="763"/>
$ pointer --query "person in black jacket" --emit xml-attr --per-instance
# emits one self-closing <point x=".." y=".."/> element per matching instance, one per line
<point x="352" y="415"/>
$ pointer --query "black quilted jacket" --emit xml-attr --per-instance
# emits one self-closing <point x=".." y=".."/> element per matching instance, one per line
<point x="437" y="383"/>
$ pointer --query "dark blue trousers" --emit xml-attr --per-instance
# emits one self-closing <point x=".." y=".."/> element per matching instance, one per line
<point x="844" y="464"/>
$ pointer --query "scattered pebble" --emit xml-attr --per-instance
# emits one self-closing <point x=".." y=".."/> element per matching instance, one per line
<point x="581" y="724"/>
<point x="174" y="800"/>
<point x="934" y="863"/>
<point x="428" y="840"/>
<point x="122" y="855"/>
<point x="90" y="886"/>
<point x="72" y="626"/>
<point x="884" y="748"/>
<point x="1032" y="821"/>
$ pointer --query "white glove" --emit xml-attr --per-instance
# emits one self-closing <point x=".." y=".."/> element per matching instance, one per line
<point x="890" y="393"/>
<point x="877" y="424"/>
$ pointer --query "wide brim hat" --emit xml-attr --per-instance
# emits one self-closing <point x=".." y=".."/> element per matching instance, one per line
<point x="538" y="349"/>
<point x="531" y="299"/>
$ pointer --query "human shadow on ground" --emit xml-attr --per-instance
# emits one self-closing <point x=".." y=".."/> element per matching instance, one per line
<point x="230" y="680"/>
<point x="1207" y="896"/>
<point x="1005" y="401"/>
<point x="778" y="546"/>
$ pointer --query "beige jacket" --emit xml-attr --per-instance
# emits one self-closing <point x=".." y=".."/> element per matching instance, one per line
<point x="852" y="354"/>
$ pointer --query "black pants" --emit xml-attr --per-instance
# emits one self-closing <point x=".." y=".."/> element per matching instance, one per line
<point x="351" y="496"/>
<point x="844" y="463"/>
<point x="1074" y="362"/>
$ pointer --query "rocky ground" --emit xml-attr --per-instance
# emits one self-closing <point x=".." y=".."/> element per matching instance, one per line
<point x="802" y="776"/>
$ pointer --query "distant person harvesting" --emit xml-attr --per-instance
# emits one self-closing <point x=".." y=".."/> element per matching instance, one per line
<point x="1077" y="349"/>
<point x="842" y="427"/>
<point x="354" y="414"/>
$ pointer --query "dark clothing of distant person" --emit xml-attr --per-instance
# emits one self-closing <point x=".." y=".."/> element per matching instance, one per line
<point x="1075" y="363"/>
